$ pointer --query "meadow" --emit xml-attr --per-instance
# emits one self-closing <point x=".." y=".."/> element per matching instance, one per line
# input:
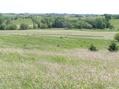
<point x="57" y="59"/>
<point x="115" y="22"/>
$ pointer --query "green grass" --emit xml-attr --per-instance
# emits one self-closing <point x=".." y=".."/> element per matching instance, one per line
<point x="115" y="23"/>
<point x="50" y="43"/>
<point x="21" y="20"/>
<point x="57" y="72"/>
<point x="53" y="59"/>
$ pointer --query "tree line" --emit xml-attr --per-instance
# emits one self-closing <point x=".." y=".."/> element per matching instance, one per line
<point x="57" y="21"/>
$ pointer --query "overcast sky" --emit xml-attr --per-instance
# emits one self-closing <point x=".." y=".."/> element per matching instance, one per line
<point x="60" y="6"/>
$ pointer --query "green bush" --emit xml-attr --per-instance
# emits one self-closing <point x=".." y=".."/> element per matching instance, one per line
<point x="116" y="37"/>
<point x="113" y="47"/>
<point x="11" y="27"/>
<point x="35" y="26"/>
<point x="92" y="48"/>
<point x="43" y="26"/>
<point x="84" y="24"/>
<point x="2" y="26"/>
<point x="24" y="27"/>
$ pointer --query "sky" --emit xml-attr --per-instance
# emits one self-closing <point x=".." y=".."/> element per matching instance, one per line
<point x="60" y="6"/>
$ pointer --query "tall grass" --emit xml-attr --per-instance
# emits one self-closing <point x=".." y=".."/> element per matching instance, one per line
<point x="37" y="62"/>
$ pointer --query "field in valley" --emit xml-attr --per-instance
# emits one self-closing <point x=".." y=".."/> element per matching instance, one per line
<point x="57" y="59"/>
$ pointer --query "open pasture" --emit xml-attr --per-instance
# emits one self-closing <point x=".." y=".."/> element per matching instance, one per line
<point x="57" y="59"/>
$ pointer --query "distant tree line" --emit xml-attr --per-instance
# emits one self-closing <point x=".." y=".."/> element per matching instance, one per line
<point x="56" y="21"/>
<point x="71" y="22"/>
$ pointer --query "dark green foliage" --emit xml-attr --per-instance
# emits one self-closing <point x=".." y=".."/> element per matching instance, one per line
<point x="58" y="45"/>
<point x="8" y="21"/>
<point x="35" y="26"/>
<point x="71" y="23"/>
<point x="11" y="27"/>
<point x="83" y="24"/>
<point x="2" y="19"/>
<point x="98" y="23"/>
<point x="113" y="47"/>
<point x="43" y="25"/>
<point x="59" y="21"/>
<point x="24" y="27"/>
<point x="107" y="17"/>
<point x="111" y="26"/>
<point x="92" y="48"/>
<point x="2" y="22"/>
<point x="2" y="26"/>
<point x="47" y="21"/>
<point x="116" y="37"/>
<point x="115" y="16"/>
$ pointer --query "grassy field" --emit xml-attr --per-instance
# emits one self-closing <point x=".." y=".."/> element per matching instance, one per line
<point x="57" y="59"/>
<point x="115" y="23"/>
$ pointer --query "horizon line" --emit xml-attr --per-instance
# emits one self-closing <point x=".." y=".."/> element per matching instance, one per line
<point x="58" y="13"/>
